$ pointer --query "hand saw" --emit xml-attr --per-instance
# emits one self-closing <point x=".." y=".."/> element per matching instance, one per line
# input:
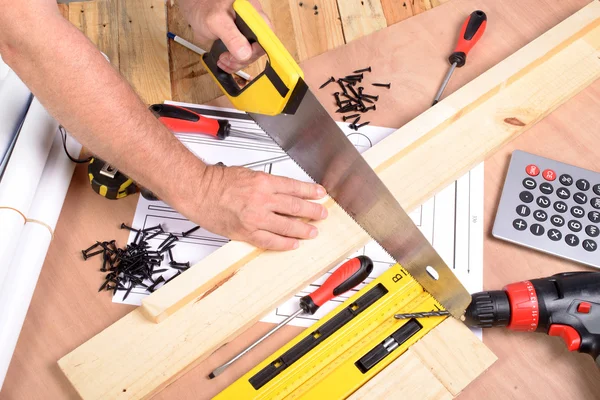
<point x="281" y="103"/>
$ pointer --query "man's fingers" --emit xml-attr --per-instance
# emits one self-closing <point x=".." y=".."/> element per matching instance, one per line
<point x="297" y="207"/>
<point x="297" y="188"/>
<point x="289" y="227"/>
<point x="270" y="241"/>
<point x="224" y="27"/>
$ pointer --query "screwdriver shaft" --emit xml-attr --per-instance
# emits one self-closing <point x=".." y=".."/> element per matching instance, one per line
<point x="444" y="84"/>
<point x="426" y="314"/>
<point x="219" y="371"/>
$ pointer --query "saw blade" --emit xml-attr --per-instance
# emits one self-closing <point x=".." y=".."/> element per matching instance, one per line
<point x="315" y="142"/>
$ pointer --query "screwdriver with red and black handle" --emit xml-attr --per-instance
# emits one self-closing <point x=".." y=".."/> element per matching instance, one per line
<point x="566" y="305"/>
<point x="349" y="275"/>
<point x="470" y="33"/>
<point x="183" y="120"/>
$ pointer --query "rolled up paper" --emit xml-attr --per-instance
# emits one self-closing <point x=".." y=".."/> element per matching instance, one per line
<point x="22" y="176"/>
<point x="14" y="102"/>
<point x="32" y="247"/>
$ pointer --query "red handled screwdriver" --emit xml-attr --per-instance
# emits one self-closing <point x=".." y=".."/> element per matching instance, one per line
<point x="346" y="277"/>
<point x="183" y="120"/>
<point x="470" y="33"/>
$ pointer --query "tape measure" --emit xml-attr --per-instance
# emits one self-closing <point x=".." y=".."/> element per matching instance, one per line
<point x="346" y="348"/>
<point x="108" y="182"/>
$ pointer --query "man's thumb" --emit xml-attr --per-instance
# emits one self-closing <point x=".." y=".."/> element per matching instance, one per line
<point x="236" y="43"/>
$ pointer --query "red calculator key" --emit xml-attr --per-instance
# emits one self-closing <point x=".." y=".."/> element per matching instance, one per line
<point x="549" y="175"/>
<point x="532" y="170"/>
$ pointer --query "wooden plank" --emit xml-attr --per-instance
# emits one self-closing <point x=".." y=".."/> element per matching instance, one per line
<point x="361" y="18"/>
<point x="316" y="34"/>
<point x="64" y="10"/>
<point x="470" y="124"/>
<point x="453" y="355"/>
<point x="143" y="54"/>
<point x="96" y="19"/>
<point x="392" y="380"/>
<point x="396" y="11"/>
<point x="420" y="6"/>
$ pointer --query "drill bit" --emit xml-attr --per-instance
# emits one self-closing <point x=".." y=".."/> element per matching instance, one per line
<point x="425" y="314"/>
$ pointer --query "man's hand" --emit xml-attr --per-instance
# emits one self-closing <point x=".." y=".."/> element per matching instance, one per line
<point x="257" y="208"/>
<point x="214" y="19"/>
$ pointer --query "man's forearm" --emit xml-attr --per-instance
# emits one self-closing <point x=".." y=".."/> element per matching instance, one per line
<point x="86" y="95"/>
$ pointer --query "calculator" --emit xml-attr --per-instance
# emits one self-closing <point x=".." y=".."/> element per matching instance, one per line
<point x="552" y="207"/>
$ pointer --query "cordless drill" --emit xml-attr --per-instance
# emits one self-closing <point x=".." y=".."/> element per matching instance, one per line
<point x="565" y="305"/>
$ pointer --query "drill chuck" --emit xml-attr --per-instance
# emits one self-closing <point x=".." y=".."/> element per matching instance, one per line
<point x="488" y="309"/>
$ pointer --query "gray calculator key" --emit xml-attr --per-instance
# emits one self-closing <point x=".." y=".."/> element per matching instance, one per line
<point x="554" y="235"/>
<point x="526" y="197"/>
<point x="582" y="184"/>
<point x="578" y="212"/>
<point x="529" y="183"/>
<point x="594" y="216"/>
<point x="575" y="226"/>
<point x="597" y="189"/>
<point x="537" y="229"/>
<point x="543" y="202"/>
<point x="572" y="240"/>
<point x="580" y="198"/>
<point x="561" y="206"/>
<point x="523" y="210"/>
<point x="566" y="180"/>
<point x="540" y="215"/>
<point x="520" y="224"/>
<point x="557" y="220"/>
<point x="563" y="193"/>
<point x="595" y="202"/>
<point x="546" y="188"/>
<point x="592" y="231"/>
<point x="590" y="245"/>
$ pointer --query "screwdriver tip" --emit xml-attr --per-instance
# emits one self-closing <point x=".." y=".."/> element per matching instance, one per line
<point x="212" y="375"/>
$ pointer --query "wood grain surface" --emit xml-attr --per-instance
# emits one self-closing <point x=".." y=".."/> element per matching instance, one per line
<point x="66" y="310"/>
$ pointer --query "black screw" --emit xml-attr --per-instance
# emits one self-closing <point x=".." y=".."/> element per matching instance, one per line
<point x="368" y="96"/>
<point x="159" y="227"/>
<point x="367" y="109"/>
<point x="353" y="91"/>
<point x="88" y="255"/>
<point x="341" y="83"/>
<point x="330" y="80"/>
<point x="363" y="124"/>
<point x="357" y="77"/>
<point x="385" y="85"/>
<point x="358" y="71"/>
<point x="123" y="226"/>
<point x="315" y="8"/>
<point x="337" y="98"/>
<point x="363" y="98"/>
<point x="347" y="117"/>
<point x="355" y="121"/>
<point x="194" y="229"/>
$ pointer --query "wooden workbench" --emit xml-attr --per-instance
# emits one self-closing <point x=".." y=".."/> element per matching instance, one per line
<point x="67" y="310"/>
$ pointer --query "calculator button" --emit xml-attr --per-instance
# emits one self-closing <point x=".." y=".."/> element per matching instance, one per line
<point x="590" y="245"/>
<point x="578" y="212"/>
<point x="537" y="229"/>
<point x="560" y="206"/>
<point x="595" y="202"/>
<point x="549" y="175"/>
<point x="574" y="225"/>
<point x="597" y="189"/>
<point x="594" y="216"/>
<point x="582" y="184"/>
<point x="557" y="220"/>
<point x="543" y="202"/>
<point x="526" y="197"/>
<point x="523" y="210"/>
<point x="554" y="234"/>
<point x="546" y="188"/>
<point x="529" y="183"/>
<point x="572" y="240"/>
<point x="519" y="224"/>
<point x="566" y="180"/>
<point x="592" y="231"/>
<point x="540" y="215"/>
<point x="563" y="193"/>
<point x="532" y="170"/>
<point x="580" y="198"/>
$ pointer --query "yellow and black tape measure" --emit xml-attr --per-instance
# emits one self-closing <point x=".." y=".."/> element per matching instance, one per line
<point x="108" y="181"/>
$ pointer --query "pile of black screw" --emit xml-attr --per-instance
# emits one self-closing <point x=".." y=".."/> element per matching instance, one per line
<point x="353" y="99"/>
<point x="136" y="265"/>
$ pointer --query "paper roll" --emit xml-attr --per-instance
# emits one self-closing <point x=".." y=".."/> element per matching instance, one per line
<point x="14" y="102"/>
<point x="32" y="247"/>
<point x="22" y="176"/>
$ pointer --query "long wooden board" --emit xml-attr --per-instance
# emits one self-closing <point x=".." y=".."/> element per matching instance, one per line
<point x="477" y="119"/>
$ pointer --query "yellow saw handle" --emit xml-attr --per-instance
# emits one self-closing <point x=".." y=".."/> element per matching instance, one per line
<point x="269" y="93"/>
